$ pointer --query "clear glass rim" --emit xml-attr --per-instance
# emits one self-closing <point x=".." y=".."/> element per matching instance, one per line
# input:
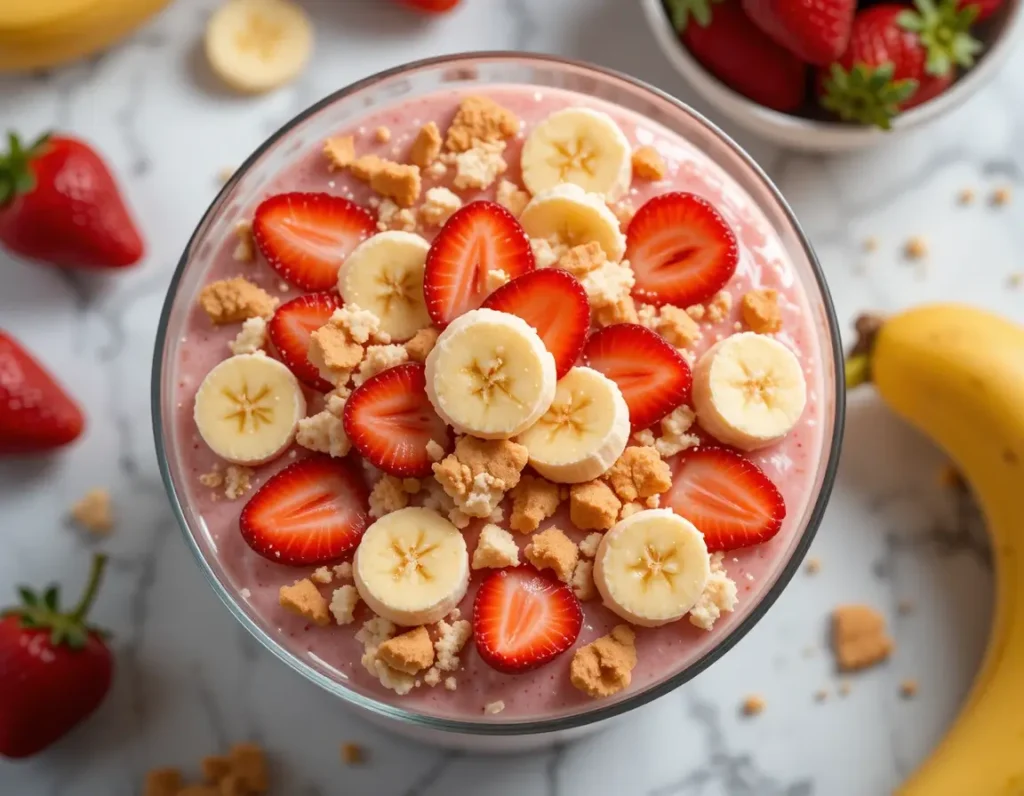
<point x="597" y="713"/>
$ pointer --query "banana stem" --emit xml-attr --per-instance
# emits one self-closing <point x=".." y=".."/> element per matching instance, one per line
<point x="858" y="370"/>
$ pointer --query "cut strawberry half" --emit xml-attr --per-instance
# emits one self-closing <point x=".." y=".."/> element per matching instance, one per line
<point x="389" y="420"/>
<point x="312" y="512"/>
<point x="554" y="303"/>
<point x="523" y="618"/>
<point x="306" y="237"/>
<point x="291" y="327"/>
<point x="652" y="376"/>
<point x="726" y="496"/>
<point x="481" y="237"/>
<point x="681" y="250"/>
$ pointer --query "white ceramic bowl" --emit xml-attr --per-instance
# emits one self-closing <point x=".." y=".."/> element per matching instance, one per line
<point x="1003" y="31"/>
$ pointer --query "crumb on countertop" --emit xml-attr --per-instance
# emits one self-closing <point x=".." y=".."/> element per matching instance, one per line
<point x="352" y="754"/>
<point x="93" y="512"/>
<point x="859" y="637"/>
<point x="908" y="689"/>
<point x="844" y="688"/>
<point x="1001" y="196"/>
<point x="813" y="566"/>
<point x="965" y="196"/>
<point x="916" y="248"/>
<point x="753" y="705"/>
<point x="821" y="695"/>
<point x="870" y="243"/>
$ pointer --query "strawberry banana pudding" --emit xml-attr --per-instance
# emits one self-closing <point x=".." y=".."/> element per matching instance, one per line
<point x="501" y="403"/>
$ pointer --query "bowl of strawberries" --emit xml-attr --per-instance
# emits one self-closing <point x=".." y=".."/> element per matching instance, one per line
<point x="833" y="75"/>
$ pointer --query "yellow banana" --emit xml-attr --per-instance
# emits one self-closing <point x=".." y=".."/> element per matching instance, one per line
<point x="43" y="33"/>
<point x="957" y="374"/>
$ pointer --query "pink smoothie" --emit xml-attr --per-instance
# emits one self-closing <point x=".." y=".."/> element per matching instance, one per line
<point x="545" y="692"/>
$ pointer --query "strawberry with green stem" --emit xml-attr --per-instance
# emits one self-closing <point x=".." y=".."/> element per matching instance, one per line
<point x="55" y="668"/>
<point x="898" y="57"/>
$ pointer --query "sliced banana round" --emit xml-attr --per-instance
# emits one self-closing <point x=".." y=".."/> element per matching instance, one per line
<point x="384" y="274"/>
<point x="258" y="45"/>
<point x="248" y="408"/>
<point x="749" y="390"/>
<point x="584" y="431"/>
<point x="412" y="567"/>
<point x="580" y="146"/>
<point x="490" y="375"/>
<point x="568" y="215"/>
<point x="652" y="567"/>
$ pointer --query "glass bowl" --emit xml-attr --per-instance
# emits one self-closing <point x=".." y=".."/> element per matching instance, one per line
<point x="460" y="72"/>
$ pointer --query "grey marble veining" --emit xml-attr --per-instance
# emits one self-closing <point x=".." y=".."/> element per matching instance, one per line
<point x="190" y="680"/>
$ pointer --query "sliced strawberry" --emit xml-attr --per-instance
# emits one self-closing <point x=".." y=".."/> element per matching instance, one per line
<point x="523" y="618"/>
<point x="312" y="512"/>
<point x="389" y="420"/>
<point x="554" y="303"/>
<point x="726" y="496"/>
<point x="306" y="237"/>
<point x="291" y="327"/>
<point x="682" y="251"/>
<point x="653" y="377"/>
<point x="36" y="414"/>
<point x="481" y="237"/>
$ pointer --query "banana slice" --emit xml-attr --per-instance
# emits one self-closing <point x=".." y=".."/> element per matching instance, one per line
<point x="651" y="568"/>
<point x="569" y="215"/>
<point x="580" y="146"/>
<point x="412" y="567"/>
<point x="584" y="431"/>
<point x="490" y="375"/>
<point x="749" y="390"/>
<point x="258" y="45"/>
<point x="248" y="408"/>
<point x="384" y="274"/>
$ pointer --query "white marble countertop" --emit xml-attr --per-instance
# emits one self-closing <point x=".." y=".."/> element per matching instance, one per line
<point x="191" y="680"/>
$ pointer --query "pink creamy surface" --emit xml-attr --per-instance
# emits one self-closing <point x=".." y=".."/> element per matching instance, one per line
<point x="545" y="692"/>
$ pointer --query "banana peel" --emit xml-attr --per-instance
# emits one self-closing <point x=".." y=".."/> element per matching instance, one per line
<point x="37" y="34"/>
<point x="956" y="373"/>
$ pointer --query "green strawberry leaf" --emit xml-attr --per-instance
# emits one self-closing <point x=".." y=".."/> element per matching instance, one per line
<point x="944" y="32"/>
<point x="28" y="597"/>
<point x="865" y="94"/>
<point x="51" y="598"/>
<point x="680" y="11"/>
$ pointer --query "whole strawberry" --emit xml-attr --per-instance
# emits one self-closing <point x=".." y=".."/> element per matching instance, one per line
<point x="738" y="53"/>
<point x="816" y="31"/>
<point x="898" y="57"/>
<point x="35" y="413"/>
<point x="60" y="205"/>
<point x="54" y="668"/>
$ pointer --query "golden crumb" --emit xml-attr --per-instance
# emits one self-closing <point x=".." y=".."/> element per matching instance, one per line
<point x="353" y="754"/>
<point x="340" y="152"/>
<point x="534" y="499"/>
<point x="235" y="300"/>
<point x="870" y="244"/>
<point x="215" y="768"/>
<point x="249" y="765"/>
<point x="1001" y="196"/>
<point x="382" y="134"/>
<point x="162" y="782"/>
<point x="582" y="582"/>
<point x="908" y="689"/>
<point x="677" y="327"/>
<point x="93" y="512"/>
<point x="421" y="344"/>
<point x="813" y="566"/>
<point x="593" y="506"/>
<point x="303" y="598"/>
<point x="331" y="348"/>
<point x="622" y="310"/>
<point x="411" y="652"/>
<point x="859" y="637"/>
<point x="495" y="549"/>
<point x="225" y="173"/>
<point x="916" y="248"/>
<point x="753" y="705"/>
<point x="367" y="167"/>
<point x="639" y="473"/>
<point x="605" y="666"/>
<point x="648" y="164"/>
<point x="966" y="196"/>
<point x="761" y="312"/>
<point x="581" y="260"/>
<point x="553" y="550"/>
<point x="399" y="182"/>
<point x="696" y="311"/>
<point x="426" y="147"/>
<point x="480" y="120"/>
<point x="502" y="459"/>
